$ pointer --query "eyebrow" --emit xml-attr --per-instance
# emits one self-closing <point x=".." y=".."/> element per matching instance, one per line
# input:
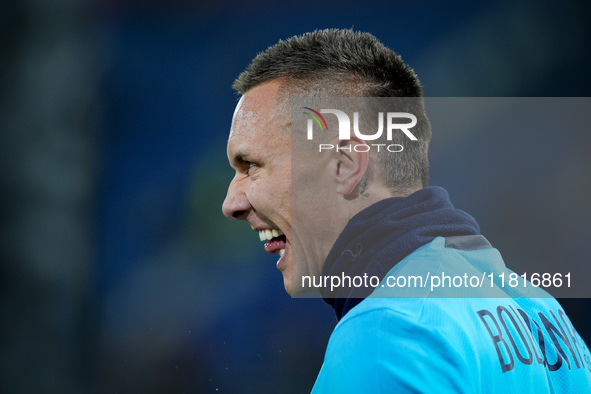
<point x="240" y="157"/>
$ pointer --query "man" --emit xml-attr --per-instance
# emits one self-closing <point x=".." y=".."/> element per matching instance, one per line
<point x="351" y="214"/>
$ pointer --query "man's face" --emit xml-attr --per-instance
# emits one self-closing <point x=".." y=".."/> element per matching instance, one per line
<point x="260" y="151"/>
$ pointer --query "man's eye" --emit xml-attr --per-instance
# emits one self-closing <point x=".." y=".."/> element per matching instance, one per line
<point x="251" y="166"/>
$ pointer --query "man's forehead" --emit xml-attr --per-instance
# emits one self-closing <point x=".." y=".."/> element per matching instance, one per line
<point x="244" y="109"/>
<point x="259" y="108"/>
<point x="247" y="130"/>
<point x="259" y="100"/>
<point x="246" y="116"/>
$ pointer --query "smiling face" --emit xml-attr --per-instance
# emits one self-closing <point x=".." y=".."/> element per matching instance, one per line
<point x="260" y="151"/>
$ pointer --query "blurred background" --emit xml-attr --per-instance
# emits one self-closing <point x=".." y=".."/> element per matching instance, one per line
<point x="119" y="273"/>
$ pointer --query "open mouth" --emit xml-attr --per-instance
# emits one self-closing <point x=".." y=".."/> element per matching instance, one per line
<point x="274" y="240"/>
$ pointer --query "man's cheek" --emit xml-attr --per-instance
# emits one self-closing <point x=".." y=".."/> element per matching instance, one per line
<point x="252" y="194"/>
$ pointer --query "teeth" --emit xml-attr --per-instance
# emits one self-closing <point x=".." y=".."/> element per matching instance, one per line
<point x="281" y="252"/>
<point x="265" y="235"/>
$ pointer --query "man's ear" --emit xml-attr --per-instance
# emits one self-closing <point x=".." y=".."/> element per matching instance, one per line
<point x="352" y="162"/>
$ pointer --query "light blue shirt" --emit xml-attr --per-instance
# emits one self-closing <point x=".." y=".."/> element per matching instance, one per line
<point x="478" y="337"/>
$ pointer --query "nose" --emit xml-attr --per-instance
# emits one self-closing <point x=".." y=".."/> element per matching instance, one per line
<point x="236" y="205"/>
